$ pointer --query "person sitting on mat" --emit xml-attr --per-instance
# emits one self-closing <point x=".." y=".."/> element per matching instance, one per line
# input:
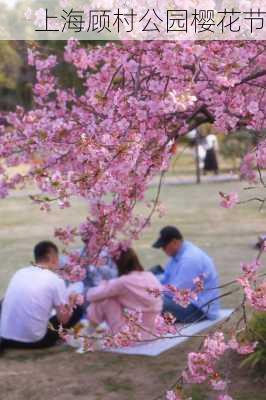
<point x="97" y="273"/>
<point x="32" y="294"/>
<point x="94" y="274"/>
<point x="186" y="263"/>
<point x="129" y="291"/>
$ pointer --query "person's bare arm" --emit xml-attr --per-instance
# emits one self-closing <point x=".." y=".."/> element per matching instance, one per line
<point x="64" y="313"/>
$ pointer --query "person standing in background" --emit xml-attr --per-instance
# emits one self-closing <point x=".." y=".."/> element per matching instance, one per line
<point x="211" y="147"/>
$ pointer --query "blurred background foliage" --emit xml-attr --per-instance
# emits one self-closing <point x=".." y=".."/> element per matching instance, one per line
<point x="17" y="77"/>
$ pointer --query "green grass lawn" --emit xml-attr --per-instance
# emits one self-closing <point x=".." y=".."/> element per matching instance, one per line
<point x="227" y="235"/>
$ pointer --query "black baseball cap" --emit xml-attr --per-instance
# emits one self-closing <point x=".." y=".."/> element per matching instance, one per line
<point x="167" y="234"/>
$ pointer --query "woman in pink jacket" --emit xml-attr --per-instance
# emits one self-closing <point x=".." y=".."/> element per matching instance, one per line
<point x="129" y="291"/>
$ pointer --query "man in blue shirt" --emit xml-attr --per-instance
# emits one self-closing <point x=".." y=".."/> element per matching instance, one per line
<point x="186" y="263"/>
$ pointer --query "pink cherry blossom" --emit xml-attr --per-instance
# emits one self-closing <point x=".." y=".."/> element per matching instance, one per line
<point x="200" y="367"/>
<point x="106" y="143"/>
<point x="171" y="395"/>
<point x="81" y="138"/>
<point x="247" y="167"/>
<point x="129" y="334"/>
<point x="251" y="268"/>
<point x="165" y="324"/>
<point x="229" y="200"/>
<point x="215" y="345"/>
<point x="253" y="107"/>
<point x="199" y="284"/>
<point x="224" y="397"/>
<point x="181" y="296"/>
<point x="254" y="289"/>
<point x="66" y="235"/>
<point x="242" y="348"/>
<point x="218" y="384"/>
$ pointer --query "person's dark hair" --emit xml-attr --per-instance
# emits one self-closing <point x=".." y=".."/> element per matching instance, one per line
<point x="42" y="250"/>
<point x="127" y="262"/>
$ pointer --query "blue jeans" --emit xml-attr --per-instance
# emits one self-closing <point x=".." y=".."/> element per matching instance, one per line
<point x="187" y="315"/>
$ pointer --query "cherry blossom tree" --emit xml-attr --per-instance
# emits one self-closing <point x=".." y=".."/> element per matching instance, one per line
<point x="105" y="144"/>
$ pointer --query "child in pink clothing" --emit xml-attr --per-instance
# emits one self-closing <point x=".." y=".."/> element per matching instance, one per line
<point x="128" y="291"/>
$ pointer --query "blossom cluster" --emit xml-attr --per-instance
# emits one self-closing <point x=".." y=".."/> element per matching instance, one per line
<point x="184" y="296"/>
<point x="106" y="143"/>
<point x="202" y="366"/>
<point x="229" y="200"/>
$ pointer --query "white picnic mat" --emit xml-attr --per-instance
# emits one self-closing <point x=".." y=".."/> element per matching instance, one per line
<point x="161" y="345"/>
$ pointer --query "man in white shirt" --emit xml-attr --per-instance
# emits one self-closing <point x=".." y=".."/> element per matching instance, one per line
<point x="32" y="295"/>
